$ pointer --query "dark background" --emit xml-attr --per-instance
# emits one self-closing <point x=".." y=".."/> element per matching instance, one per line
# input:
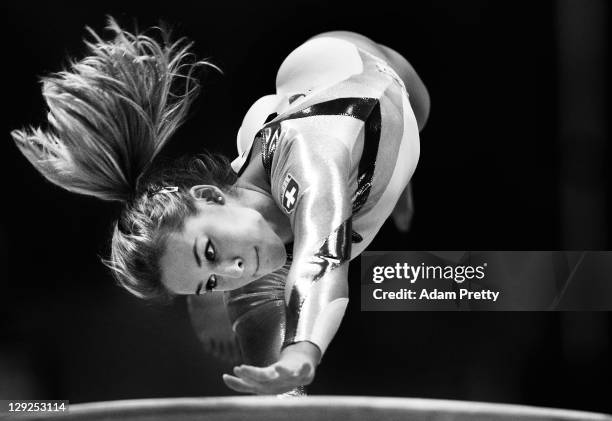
<point x="514" y="157"/>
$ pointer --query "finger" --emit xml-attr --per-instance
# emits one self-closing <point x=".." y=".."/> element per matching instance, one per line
<point x="258" y="374"/>
<point x="239" y="385"/>
<point x="265" y="373"/>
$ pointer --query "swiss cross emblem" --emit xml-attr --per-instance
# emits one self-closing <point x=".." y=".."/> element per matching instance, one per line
<point x="290" y="193"/>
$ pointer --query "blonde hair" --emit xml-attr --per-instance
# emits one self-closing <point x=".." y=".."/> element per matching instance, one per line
<point x="112" y="112"/>
<point x="109" y="116"/>
<point x="139" y="236"/>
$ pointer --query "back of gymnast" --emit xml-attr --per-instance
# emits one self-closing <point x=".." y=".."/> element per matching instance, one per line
<point x="322" y="164"/>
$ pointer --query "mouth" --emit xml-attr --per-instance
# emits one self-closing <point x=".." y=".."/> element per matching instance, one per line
<point x="257" y="260"/>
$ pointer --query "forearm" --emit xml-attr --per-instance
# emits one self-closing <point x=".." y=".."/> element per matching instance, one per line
<point x="315" y="315"/>
<point x="317" y="290"/>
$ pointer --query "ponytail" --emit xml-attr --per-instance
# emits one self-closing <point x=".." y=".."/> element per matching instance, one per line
<point x="112" y="112"/>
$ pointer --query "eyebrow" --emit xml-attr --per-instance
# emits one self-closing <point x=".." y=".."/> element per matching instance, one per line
<point x="199" y="287"/>
<point x="195" y="252"/>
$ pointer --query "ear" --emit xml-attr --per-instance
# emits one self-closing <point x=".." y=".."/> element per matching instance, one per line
<point x="207" y="192"/>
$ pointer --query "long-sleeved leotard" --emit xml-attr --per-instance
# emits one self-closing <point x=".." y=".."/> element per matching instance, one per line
<point x="338" y="142"/>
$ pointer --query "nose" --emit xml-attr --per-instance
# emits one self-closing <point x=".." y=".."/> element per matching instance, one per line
<point x="232" y="268"/>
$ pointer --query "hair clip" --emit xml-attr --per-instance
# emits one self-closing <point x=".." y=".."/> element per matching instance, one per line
<point x="172" y="189"/>
<point x="164" y="190"/>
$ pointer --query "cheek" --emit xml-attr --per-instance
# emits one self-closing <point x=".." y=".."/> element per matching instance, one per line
<point x="248" y="225"/>
<point x="178" y="268"/>
<point x="280" y="256"/>
<point x="249" y="222"/>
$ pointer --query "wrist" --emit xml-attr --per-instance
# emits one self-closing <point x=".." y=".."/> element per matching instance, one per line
<point x="306" y="348"/>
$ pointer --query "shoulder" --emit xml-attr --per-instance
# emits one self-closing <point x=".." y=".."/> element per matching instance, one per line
<point x="263" y="110"/>
<point x="322" y="137"/>
<point x="255" y="118"/>
<point x="306" y="160"/>
<point x="307" y="166"/>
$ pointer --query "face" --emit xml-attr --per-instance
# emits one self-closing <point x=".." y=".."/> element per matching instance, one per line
<point x="224" y="247"/>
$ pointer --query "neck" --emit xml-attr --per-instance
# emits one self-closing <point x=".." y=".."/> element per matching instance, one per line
<point x="255" y="197"/>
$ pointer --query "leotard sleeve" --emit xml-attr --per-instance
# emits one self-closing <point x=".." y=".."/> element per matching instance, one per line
<point x="309" y="176"/>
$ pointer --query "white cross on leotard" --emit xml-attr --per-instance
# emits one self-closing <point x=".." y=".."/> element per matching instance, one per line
<point x="290" y="197"/>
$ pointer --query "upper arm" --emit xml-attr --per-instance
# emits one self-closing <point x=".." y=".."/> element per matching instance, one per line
<point x="212" y="325"/>
<point x="312" y="186"/>
<point x="326" y="204"/>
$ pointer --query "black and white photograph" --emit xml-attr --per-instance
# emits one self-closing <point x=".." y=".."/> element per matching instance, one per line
<point x="307" y="210"/>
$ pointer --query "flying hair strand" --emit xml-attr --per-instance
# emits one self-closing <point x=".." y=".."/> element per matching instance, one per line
<point x="112" y="112"/>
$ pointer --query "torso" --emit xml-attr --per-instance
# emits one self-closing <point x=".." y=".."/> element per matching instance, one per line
<point x="322" y="76"/>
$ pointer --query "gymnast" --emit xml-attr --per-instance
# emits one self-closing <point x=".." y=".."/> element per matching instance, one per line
<point x="265" y="239"/>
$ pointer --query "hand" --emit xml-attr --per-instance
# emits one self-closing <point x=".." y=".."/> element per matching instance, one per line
<point x="296" y="367"/>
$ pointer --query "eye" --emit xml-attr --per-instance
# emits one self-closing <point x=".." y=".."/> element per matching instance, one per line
<point x="212" y="283"/>
<point x="209" y="252"/>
